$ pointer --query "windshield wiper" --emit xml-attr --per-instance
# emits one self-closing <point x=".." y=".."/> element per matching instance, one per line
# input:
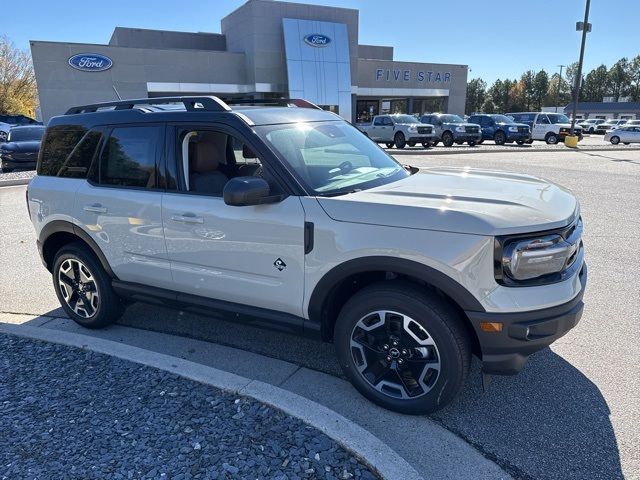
<point x="338" y="193"/>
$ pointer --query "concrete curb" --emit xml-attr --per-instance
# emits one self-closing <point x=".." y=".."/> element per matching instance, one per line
<point x="371" y="450"/>
<point x="456" y="151"/>
<point x="14" y="182"/>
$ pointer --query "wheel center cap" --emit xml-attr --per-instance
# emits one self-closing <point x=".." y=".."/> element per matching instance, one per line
<point x="394" y="352"/>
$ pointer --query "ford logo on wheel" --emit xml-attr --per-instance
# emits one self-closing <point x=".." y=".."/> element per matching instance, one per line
<point x="317" y="40"/>
<point x="90" y="62"/>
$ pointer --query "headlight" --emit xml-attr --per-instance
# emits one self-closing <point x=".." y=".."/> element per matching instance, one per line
<point x="412" y="129"/>
<point x="547" y="257"/>
<point x="460" y="129"/>
<point x="513" y="129"/>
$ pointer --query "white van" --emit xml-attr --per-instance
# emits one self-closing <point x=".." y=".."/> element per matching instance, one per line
<point x="550" y="127"/>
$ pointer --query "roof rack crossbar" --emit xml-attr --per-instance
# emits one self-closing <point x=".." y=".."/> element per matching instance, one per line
<point x="206" y="103"/>
<point x="283" y="102"/>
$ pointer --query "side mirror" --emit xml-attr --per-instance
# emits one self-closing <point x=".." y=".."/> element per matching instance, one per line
<point x="246" y="191"/>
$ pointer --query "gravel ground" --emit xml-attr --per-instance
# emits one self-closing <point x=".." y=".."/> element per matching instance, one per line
<point x="69" y="413"/>
<point x="19" y="174"/>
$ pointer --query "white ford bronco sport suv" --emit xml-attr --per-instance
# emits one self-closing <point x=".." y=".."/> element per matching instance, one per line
<point x="291" y="218"/>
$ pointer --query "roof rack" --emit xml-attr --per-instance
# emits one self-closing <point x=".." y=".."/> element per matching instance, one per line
<point x="208" y="104"/>
<point x="281" y="102"/>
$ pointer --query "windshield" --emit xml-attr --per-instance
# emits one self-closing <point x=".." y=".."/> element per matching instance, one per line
<point x="451" y="119"/>
<point x="501" y="119"/>
<point x="558" y="118"/>
<point x="405" y="119"/>
<point x="25" y="134"/>
<point x="331" y="158"/>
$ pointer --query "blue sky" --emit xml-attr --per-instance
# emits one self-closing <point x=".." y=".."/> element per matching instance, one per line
<point x="496" y="38"/>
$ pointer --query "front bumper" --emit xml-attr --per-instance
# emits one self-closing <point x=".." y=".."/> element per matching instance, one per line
<point x="524" y="333"/>
<point x="467" y="137"/>
<point x="12" y="163"/>
<point x="419" y="138"/>
<point x="515" y="136"/>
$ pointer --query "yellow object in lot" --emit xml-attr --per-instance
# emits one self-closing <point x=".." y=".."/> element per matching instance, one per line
<point x="571" y="141"/>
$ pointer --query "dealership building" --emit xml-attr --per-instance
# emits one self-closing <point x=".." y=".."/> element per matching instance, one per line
<point x="267" y="49"/>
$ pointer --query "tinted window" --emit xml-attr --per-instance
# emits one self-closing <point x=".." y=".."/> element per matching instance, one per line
<point x="58" y="143"/>
<point x="129" y="157"/>
<point x="387" y="121"/>
<point x="79" y="160"/>
<point x="378" y="121"/>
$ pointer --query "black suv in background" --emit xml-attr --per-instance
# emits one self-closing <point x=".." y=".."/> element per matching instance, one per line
<point x="18" y="120"/>
<point x="501" y="129"/>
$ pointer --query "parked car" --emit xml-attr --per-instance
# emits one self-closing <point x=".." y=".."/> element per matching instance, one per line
<point x="18" y="120"/>
<point x="399" y="130"/>
<point x="21" y="149"/>
<point x="550" y="127"/>
<point x="611" y="124"/>
<point x="291" y="218"/>
<point x="626" y="134"/>
<point x="632" y="122"/>
<point x="4" y="131"/>
<point x="501" y="129"/>
<point x="590" y="125"/>
<point x="450" y="129"/>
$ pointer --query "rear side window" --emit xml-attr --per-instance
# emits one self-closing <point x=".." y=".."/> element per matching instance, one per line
<point x="58" y="144"/>
<point x="79" y="160"/>
<point x="130" y="157"/>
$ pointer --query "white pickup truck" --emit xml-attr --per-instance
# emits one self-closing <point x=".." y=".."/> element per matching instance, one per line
<point x="399" y="130"/>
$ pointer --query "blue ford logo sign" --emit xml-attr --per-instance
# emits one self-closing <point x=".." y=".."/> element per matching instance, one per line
<point x="317" y="40"/>
<point x="90" y="62"/>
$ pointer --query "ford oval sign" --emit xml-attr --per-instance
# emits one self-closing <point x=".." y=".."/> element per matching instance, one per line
<point x="317" y="40"/>
<point x="90" y="62"/>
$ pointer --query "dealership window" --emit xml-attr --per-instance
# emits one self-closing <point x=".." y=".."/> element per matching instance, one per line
<point x="130" y="156"/>
<point x="366" y="110"/>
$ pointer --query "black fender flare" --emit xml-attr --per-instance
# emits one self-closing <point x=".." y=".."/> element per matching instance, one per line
<point x="458" y="294"/>
<point x="58" y="226"/>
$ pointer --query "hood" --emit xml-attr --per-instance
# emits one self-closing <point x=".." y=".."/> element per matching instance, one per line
<point x="27" y="146"/>
<point x="513" y="124"/>
<point x="463" y="124"/>
<point x="461" y="200"/>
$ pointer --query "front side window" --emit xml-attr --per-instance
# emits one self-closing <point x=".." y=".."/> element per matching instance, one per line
<point x="501" y="118"/>
<point x="558" y="118"/>
<point x="378" y="121"/>
<point x="130" y="156"/>
<point x="331" y="158"/>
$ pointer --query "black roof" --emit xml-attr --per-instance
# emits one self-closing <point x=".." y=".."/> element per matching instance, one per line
<point x="196" y="109"/>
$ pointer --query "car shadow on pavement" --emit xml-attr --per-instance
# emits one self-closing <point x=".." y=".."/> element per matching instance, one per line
<point x="549" y="421"/>
<point x="613" y="159"/>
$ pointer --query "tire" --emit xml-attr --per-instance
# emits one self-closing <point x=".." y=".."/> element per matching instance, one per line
<point x="471" y="144"/>
<point x="500" y="138"/>
<point x="591" y="130"/>
<point x="426" y="144"/>
<point x="6" y="170"/>
<point x="480" y="142"/>
<point x="615" y="140"/>
<point x="389" y="144"/>
<point x="520" y="142"/>
<point x="425" y="325"/>
<point x="447" y="139"/>
<point x="399" y="140"/>
<point x="627" y="143"/>
<point x="411" y="144"/>
<point x="101" y="306"/>
<point x="434" y="143"/>
<point x="530" y="141"/>
<point x="551" y="138"/>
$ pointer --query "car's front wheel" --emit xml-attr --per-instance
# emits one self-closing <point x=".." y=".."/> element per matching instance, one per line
<point x="84" y="288"/>
<point x="399" y="140"/>
<point x="500" y="138"/>
<point x="615" y="140"/>
<point x="447" y="139"/>
<point x="402" y="348"/>
<point x="551" y="138"/>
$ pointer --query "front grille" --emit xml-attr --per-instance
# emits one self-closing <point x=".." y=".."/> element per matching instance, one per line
<point x="24" y="157"/>
<point x="472" y="129"/>
<point x="523" y="129"/>
<point x="424" y="130"/>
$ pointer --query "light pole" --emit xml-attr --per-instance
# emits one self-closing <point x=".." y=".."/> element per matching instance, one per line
<point x="585" y="27"/>
<point x="558" y="89"/>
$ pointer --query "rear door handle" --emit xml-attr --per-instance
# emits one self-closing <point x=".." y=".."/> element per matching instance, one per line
<point x="187" y="218"/>
<point x="95" y="208"/>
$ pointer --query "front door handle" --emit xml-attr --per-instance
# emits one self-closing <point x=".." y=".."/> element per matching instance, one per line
<point x="95" y="208"/>
<point x="187" y="218"/>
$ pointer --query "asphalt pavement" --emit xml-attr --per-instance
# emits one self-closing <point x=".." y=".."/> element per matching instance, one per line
<point x="573" y="411"/>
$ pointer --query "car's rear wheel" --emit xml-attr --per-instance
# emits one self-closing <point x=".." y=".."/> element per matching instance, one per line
<point x="615" y="140"/>
<point x="399" y="140"/>
<point x="530" y="141"/>
<point x="84" y="288"/>
<point x="471" y="144"/>
<point x="426" y="144"/>
<point x="411" y="144"/>
<point x="551" y="138"/>
<point x="402" y="348"/>
<point x="389" y="144"/>
<point x="499" y="138"/>
<point x="520" y="142"/>
<point x="480" y="142"/>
